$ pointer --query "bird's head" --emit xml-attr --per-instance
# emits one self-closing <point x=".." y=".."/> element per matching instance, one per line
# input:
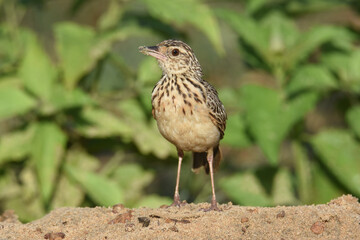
<point x="174" y="57"/>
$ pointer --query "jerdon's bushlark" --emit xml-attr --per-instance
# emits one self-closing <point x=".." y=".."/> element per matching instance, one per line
<point x="187" y="109"/>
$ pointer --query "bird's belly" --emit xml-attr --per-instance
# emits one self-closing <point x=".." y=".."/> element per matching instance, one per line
<point x="189" y="128"/>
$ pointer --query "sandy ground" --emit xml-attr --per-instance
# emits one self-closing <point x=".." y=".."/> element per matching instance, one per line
<point x="339" y="219"/>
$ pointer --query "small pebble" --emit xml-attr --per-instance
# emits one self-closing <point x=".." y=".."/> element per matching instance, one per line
<point x="281" y="214"/>
<point x="144" y="220"/>
<point x="317" y="227"/>
<point x="244" y="219"/>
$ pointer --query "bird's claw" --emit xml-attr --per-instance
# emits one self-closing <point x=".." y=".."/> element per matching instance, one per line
<point x="178" y="203"/>
<point x="213" y="207"/>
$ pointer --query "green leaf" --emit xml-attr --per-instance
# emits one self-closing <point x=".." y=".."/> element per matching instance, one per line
<point x="248" y="29"/>
<point x="270" y="38"/>
<point x="346" y="68"/>
<point x="82" y="160"/>
<point x="324" y="186"/>
<point x="46" y="153"/>
<point x="269" y="119"/>
<point x="303" y="173"/>
<point x="149" y="72"/>
<point x="36" y="70"/>
<point x="265" y="119"/>
<point x="103" y="124"/>
<point x="132" y="110"/>
<point x="11" y="44"/>
<point x="281" y="34"/>
<point x="353" y="118"/>
<point x="346" y="40"/>
<point x="337" y="62"/>
<point x="312" y="77"/>
<point x="128" y="29"/>
<point x="310" y="40"/>
<point x="145" y="96"/>
<point x="235" y="135"/>
<point x="277" y="41"/>
<point x="27" y="201"/>
<point x="252" y="6"/>
<point x="13" y="101"/>
<point x="196" y="13"/>
<point x="245" y="189"/>
<point x="112" y="16"/>
<point x="74" y="45"/>
<point x="16" y="144"/>
<point x="11" y="81"/>
<point x="67" y="194"/>
<point x="299" y="106"/>
<point x="282" y="191"/>
<point x="100" y="189"/>
<point x="230" y="97"/>
<point x="341" y="154"/>
<point x="132" y="179"/>
<point x="63" y="99"/>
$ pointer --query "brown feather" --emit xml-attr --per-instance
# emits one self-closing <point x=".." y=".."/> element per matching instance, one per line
<point x="153" y="112"/>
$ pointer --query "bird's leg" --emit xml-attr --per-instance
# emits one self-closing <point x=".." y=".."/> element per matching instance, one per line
<point x="210" y="159"/>
<point x="176" y="194"/>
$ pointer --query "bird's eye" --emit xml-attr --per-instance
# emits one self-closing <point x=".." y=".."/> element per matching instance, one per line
<point x="175" y="52"/>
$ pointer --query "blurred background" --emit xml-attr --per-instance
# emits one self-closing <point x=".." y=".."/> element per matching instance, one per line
<point x="75" y="113"/>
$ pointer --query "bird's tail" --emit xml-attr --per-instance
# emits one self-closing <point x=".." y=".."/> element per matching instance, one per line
<point x="200" y="160"/>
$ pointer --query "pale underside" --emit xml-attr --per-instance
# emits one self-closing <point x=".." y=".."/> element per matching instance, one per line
<point x="188" y="128"/>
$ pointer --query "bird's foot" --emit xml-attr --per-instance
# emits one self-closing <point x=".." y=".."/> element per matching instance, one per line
<point x="213" y="207"/>
<point x="178" y="203"/>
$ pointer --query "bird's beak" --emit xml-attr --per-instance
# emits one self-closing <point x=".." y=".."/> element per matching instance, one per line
<point x="152" y="51"/>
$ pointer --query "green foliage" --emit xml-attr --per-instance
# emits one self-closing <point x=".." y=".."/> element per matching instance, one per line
<point x="75" y="113"/>
<point x="311" y="77"/>
<point x="197" y="13"/>
<point x="246" y="189"/>
<point x="341" y="154"/>
<point x="353" y="116"/>
<point x="37" y="71"/>
<point x="237" y="137"/>
<point x="270" y="118"/>
<point x="75" y="48"/>
<point x="47" y="149"/>
<point x="14" y="101"/>
<point x="100" y="189"/>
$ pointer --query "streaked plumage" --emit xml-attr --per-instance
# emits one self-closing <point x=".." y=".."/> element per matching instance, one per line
<point x="187" y="109"/>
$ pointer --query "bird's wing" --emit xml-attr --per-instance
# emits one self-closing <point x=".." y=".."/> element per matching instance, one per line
<point x="216" y="108"/>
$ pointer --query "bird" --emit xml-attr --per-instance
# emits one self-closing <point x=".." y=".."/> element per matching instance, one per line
<point x="187" y="109"/>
